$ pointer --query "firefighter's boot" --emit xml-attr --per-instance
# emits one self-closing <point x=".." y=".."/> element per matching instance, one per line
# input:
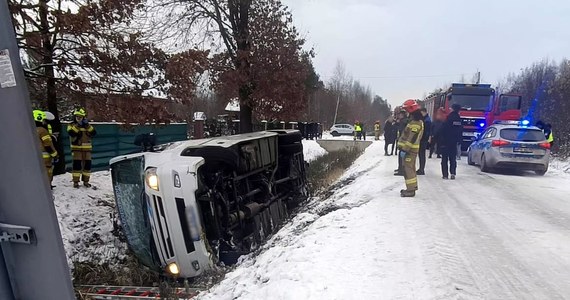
<point x="76" y="185"/>
<point x="407" y="193"/>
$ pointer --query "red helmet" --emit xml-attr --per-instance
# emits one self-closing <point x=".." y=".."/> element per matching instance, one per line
<point x="410" y="105"/>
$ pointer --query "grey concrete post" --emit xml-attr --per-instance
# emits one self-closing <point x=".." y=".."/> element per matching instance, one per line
<point x="39" y="270"/>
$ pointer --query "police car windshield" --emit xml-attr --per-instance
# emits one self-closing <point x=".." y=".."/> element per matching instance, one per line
<point x="472" y="102"/>
<point x="522" y="135"/>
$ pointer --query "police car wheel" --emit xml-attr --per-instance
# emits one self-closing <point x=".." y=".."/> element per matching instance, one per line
<point x="469" y="159"/>
<point x="484" y="166"/>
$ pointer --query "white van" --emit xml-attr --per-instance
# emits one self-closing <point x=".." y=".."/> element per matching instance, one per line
<point x="195" y="203"/>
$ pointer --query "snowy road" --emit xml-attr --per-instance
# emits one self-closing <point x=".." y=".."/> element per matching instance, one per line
<point x="483" y="236"/>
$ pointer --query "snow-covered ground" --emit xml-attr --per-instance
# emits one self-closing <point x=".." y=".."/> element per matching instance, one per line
<point x="561" y="165"/>
<point x="85" y="220"/>
<point x="482" y="236"/>
<point x="312" y="150"/>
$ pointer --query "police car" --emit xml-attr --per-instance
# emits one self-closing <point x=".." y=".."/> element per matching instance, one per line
<point x="510" y="145"/>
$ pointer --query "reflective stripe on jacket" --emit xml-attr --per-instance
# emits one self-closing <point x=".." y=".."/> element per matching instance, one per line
<point x="48" y="149"/>
<point x="409" y="141"/>
<point x="80" y="137"/>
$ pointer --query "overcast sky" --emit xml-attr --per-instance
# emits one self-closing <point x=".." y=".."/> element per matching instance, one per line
<point x="405" y="48"/>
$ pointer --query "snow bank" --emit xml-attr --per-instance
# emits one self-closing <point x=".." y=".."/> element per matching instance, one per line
<point x="328" y="136"/>
<point x="307" y="258"/>
<point x="85" y="222"/>
<point x="560" y="165"/>
<point x="312" y="150"/>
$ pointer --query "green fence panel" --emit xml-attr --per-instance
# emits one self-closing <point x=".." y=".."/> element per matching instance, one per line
<point x="113" y="139"/>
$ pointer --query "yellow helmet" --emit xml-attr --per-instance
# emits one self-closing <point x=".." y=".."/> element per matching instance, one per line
<point x="39" y="116"/>
<point x="80" y="112"/>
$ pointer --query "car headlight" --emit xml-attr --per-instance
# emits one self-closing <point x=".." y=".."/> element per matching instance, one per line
<point x="151" y="178"/>
<point x="173" y="269"/>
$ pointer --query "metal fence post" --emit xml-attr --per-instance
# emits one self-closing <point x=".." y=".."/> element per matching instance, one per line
<point x="39" y="265"/>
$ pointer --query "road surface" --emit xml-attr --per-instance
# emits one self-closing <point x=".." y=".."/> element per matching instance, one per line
<point x="482" y="236"/>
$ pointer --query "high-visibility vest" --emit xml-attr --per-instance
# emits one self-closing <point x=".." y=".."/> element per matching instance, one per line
<point x="357" y="128"/>
<point x="550" y="138"/>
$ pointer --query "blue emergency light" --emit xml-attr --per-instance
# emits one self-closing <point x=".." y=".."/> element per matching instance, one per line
<point x="525" y="122"/>
<point x="482" y="124"/>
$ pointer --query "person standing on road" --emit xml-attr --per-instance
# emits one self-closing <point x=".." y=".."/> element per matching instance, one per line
<point x="435" y="129"/>
<point x="377" y="131"/>
<point x="390" y="135"/>
<point x="424" y="143"/>
<point x="548" y="134"/>
<point x="357" y="131"/>
<point x="449" y="136"/>
<point x="401" y="125"/>
<point x="409" y="145"/>
<point x="80" y="133"/>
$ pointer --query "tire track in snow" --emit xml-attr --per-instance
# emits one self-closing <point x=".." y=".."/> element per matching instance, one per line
<point x="445" y="265"/>
<point x="489" y="227"/>
<point x="504" y="221"/>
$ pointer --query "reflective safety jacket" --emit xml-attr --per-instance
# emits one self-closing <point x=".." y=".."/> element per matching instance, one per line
<point x="357" y="128"/>
<point x="410" y="139"/>
<point x="48" y="150"/>
<point x="80" y="136"/>
<point x="550" y="137"/>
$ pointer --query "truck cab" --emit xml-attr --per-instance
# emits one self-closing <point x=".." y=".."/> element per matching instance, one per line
<point x="506" y="107"/>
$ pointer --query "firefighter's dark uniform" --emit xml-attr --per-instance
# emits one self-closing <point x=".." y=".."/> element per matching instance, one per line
<point x="81" y="147"/>
<point x="409" y="142"/>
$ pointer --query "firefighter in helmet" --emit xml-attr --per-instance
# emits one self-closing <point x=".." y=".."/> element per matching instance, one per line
<point x="409" y="145"/>
<point x="377" y="131"/>
<point x="49" y="154"/>
<point x="80" y="133"/>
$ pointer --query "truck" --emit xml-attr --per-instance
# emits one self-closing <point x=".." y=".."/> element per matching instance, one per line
<point x="188" y="206"/>
<point x="479" y="107"/>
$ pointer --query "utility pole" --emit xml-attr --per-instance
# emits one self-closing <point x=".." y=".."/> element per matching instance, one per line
<point x="33" y="264"/>
<point x="336" y="111"/>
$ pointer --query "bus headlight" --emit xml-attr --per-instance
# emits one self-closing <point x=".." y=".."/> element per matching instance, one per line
<point x="172" y="268"/>
<point x="151" y="178"/>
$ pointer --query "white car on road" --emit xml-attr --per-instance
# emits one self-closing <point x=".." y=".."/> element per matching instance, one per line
<point x="342" y="129"/>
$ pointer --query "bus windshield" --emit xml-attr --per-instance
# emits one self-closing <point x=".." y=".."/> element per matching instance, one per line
<point x="472" y="102"/>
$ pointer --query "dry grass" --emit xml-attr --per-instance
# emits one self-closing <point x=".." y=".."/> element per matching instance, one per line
<point x="326" y="169"/>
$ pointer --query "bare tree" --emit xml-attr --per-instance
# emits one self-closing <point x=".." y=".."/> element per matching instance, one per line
<point x="234" y="30"/>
